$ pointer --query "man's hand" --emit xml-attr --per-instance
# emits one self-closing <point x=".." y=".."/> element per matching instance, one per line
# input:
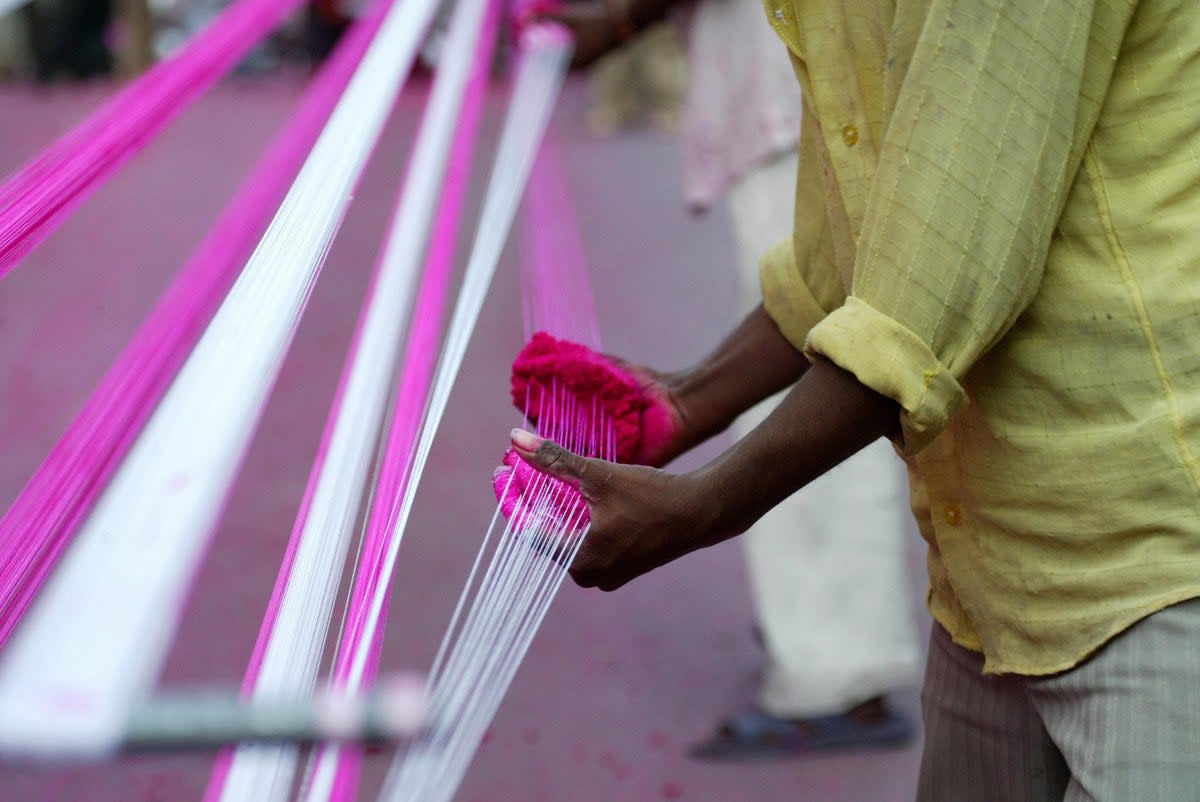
<point x="641" y="517"/>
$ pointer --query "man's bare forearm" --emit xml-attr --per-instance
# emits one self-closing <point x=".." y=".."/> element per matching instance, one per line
<point x="825" y="419"/>
<point x="751" y="364"/>
<point x="642" y="518"/>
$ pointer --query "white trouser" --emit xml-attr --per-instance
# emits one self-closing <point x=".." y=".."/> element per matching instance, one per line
<point x="827" y="566"/>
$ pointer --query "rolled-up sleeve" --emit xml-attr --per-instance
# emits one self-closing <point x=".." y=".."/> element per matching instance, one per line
<point x="800" y="284"/>
<point x="980" y="153"/>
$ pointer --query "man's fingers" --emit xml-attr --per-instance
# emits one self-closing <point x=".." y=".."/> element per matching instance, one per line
<point x="548" y="457"/>
<point x="550" y="547"/>
<point x="583" y="577"/>
<point x="590" y="577"/>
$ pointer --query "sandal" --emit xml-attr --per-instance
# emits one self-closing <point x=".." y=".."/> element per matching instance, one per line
<point x="755" y="735"/>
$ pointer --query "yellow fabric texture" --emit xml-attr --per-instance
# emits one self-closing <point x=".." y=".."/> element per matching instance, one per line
<point x="998" y="225"/>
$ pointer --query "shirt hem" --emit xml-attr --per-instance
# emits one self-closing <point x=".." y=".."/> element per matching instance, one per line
<point x="995" y="666"/>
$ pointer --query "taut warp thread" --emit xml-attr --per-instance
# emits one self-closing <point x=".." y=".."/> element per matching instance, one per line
<point x="287" y="655"/>
<point x="40" y="196"/>
<point x="518" y="571"/>
<point x="62" y="491"/>
<point x="100" y="628"/>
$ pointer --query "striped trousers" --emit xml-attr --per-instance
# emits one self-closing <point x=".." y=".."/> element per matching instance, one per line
<point x="1124" y="726"/>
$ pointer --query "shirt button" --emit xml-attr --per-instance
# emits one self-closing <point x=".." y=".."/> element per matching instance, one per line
<point x="850" y="135"/>
<point x="778" y="14"/>
<point x="952" y="514"/>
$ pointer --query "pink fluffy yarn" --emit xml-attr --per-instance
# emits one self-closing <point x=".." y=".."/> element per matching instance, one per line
<point x="548" y="371"/>
<point x="515" y="476"/>
<point x="642" y="422"/>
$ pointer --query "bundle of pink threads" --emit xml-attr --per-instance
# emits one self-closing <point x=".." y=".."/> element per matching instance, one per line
<point x="587" y="403"/>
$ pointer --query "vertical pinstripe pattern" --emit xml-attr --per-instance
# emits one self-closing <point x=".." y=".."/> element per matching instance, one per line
<point x="1128" y="720"/>
<point x="984" y="741"/>
<point x="1123" y="726"/>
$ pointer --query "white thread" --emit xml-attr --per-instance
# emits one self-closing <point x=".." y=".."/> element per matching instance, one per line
<point x="539" y="77"/>
<point x="95" y="639"/>
<point x="293" y="657"/>
<point x="417" y="774"/>
<point x="506" y="608"/>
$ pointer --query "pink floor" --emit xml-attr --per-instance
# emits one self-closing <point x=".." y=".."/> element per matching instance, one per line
<point x="615" y="685"/>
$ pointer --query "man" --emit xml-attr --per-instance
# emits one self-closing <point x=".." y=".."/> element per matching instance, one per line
<point x="826" y="567"/>
<point x="995" y="263"/>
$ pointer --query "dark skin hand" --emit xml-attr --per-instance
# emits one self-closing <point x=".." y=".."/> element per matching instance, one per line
<point x="643" y="517"/>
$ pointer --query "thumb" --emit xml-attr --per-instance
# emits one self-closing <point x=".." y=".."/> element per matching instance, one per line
<point x="549" y="457"/>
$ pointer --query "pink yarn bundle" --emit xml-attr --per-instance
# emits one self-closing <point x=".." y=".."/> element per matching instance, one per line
<point x="515" y="481"/>
<point x="39" y="197"/>
<point x="548" y="367"/>
<point x="49" y="510"/>
<point x="572" y="393"/>
<point x="589" y="404"/>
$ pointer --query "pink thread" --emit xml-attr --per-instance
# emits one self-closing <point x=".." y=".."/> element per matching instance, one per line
<point x="558" y="293"/>
<point x="570" y="392"/>
<point x="259" y="198"/>
<point x="573" y="394"/>
<point x="39" y="197"/>
<point x="421" y="349"/>
<point x="515" y="476"/>
<point x="641" y="421"/>
<point x="57" y="498"/>
<point x="418" y="363"/>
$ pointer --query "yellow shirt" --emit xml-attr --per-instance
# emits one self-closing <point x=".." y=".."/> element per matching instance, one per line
<point x="998" y="225"/>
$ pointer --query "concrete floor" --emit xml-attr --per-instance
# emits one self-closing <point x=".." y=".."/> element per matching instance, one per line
<point x="615" y="685"/>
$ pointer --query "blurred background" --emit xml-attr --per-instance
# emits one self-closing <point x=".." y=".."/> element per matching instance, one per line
<point x="51" y="41"/>
<point x="616" y="686"/>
